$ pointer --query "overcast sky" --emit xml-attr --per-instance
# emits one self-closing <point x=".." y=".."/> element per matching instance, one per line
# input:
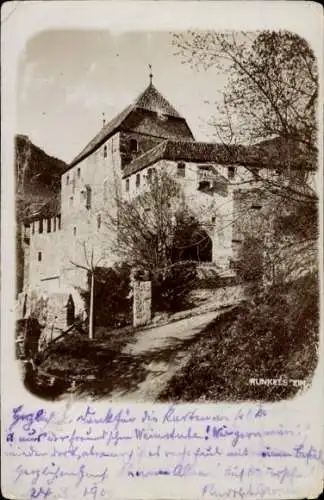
<point x="68" y="78"/>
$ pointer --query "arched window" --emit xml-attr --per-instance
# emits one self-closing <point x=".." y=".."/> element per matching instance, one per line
<point x="105" y="151"/>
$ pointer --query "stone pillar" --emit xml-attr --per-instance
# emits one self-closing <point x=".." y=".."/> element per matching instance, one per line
<point x="142" y="299"/>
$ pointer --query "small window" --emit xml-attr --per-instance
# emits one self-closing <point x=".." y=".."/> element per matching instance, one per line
<point x="79" y="173"/>
<point x="33" y="227"/>
<point x="40" y="227"/>
<point x="54" y="224"/>
<point x="105" y="151"/>
<point x="231" y="172"/>
<point x="138" y="180"/>
<point x="181" y="169"/>
<point x="74" y="230"/>
<point x="59" y="222"/>
<point x="39" y="257"/>
<point x="256" y="206"/>
<point x="71" y="201"/>
<point x="133" y="145"/>
<point x="48" y="225"/>
<point x="213" y="219"/>
<point x="67" y="179"/>
<point x="149" y="174"/>
<point x="88" y="197"/>
<point x="127" y="185"/>
<point x="98" y="221"/>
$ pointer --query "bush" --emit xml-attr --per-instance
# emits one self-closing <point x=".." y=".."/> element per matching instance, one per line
<point x="170" y="291"/>
<point x="250" y="262"/>
<point x="112" y="305"/>
<point x="276" y="338"/>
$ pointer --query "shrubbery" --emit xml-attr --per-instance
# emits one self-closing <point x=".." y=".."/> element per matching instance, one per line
<point x="276" y="338"/>
<point x="249" y="266"/>
<point x="112" y="304"/>
<point x="170" y="290"/>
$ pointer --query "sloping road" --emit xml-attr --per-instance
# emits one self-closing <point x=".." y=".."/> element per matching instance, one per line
<point x="165" y="350"/>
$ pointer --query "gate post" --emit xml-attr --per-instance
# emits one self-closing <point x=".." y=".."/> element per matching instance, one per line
<point x="142" y="297"/>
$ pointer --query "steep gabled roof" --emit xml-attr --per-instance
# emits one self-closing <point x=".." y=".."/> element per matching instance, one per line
<point x="103" y="134"/>
<point x="150" y="100"/>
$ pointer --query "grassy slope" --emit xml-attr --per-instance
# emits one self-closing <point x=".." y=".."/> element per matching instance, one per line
<point x="273" y="339"/>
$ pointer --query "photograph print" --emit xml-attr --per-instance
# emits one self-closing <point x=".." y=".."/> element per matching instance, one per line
<point x="167" y="211"/>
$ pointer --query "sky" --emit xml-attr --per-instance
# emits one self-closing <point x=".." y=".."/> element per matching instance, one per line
<point x="67" y="79"/>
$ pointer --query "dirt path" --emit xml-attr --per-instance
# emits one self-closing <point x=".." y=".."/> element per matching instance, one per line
<point x="164" y="351"/>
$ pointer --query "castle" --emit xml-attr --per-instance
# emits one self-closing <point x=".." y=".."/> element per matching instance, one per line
<point x="149" y="134"/>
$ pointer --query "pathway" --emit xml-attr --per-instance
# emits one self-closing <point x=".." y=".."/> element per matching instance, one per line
<point x="163" y="351"/>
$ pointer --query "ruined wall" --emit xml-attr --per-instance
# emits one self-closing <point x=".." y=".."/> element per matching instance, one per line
<point x="45" y="251"/>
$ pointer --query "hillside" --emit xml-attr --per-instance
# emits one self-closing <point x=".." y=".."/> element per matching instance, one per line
<point x="37" y="179"/>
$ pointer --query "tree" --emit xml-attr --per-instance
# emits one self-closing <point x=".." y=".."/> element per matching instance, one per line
<point x="271" y="90"/>
<point x="157" y="232"/>
<point x="89" y="262"/>
<point x="270" y="99"/>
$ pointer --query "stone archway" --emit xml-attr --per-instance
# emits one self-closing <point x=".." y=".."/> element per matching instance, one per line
<point x="202" y="248"/>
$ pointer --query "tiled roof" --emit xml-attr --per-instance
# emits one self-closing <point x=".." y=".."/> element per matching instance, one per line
<point x="103" y="134"/>
<point x="151" y="100"/>
<point x="188" y="151"/>
<point x="270" y="154"/>
<point x="146" y="159"/>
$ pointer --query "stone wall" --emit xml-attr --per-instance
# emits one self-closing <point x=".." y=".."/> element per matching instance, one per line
<point x="142" y="302"/>
<point x="253" y="216"/>
<point x="55" y="313"/>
